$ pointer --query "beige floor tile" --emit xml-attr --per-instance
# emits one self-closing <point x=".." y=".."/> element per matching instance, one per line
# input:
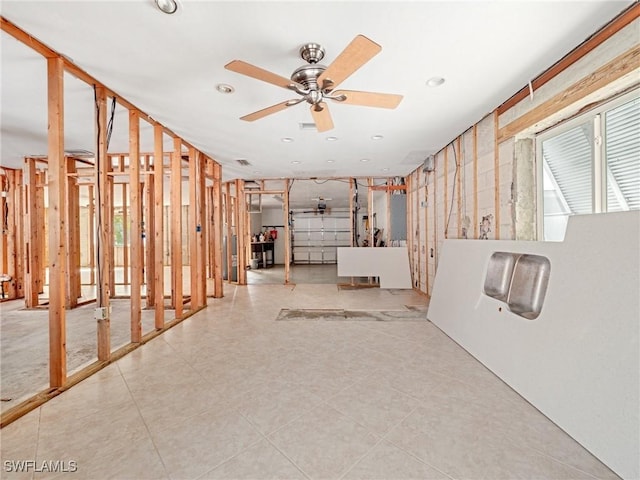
<point x="274" y="404"/>
<point x="387" y="462"/>
<point x="261" y="461"/>
<point x="324" y="443"/>
<point x="375" y="406"/>
<point x="200" y="443"/>
<point x="18" y="442"/>
<point x="88" y="438"/>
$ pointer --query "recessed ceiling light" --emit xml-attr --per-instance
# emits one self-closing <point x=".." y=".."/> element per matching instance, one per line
<point x="364" y="159"/>
<point x="287" y="139"/>
<point x="331" y="139"/>
<point x="377" y="137"/>
<point x="295" y="162"/>
<point x="330" y="161"/>
<point x="435" y="81"/>
<point x="167" y="6"/>
<point x="225" y="88"/>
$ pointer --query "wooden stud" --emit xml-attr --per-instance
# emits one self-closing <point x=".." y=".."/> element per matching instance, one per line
<point x="125" y="225"/>
<point x="201" y="257"/>
<point x="218" y="291"/>
<point x="73" y="237"/>
<point x="105" y="234"/>
<point x="137" y="257"/>
<point x="149" y="228"/>
<point x="418" y="236"/>
<point x="40" y="237"/>
<point x="287" y="234"/>
<point x="30" y="229"/>
<point x="426" y="230"/>
<point x="387" y="235"/>
<point x="57" y="183"/>
<point x="459" y="163"/>
<point x="496" y="174"/>
<point x="193" y="229"/>
<point x="109" y="222"/>
<point x="176" y="227"/>
<point x="370" y="209"/>
<point x="446" y="192"/>
<point x="242" y="231"/>
<point x="228" y="229"/>
<point x="158" y="232"/>
<point x="476" y="224"/>
<point x="91" y="212"/>
<point x="14" y="233"/>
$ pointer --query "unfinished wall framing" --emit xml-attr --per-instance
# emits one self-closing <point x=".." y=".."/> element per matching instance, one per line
<point x="484" y="185"/>
<point x="64" y="214"/>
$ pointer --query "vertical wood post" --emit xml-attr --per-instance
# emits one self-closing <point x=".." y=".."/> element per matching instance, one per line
<point x="176" y="227"/>
<point x="137" y="258"/>
<point x="287" y="234"/>
<point x="73" y="236"/>
<point x="496" y="172"/>
<point x="459" y="164"/>
<point x="57" y="224"/>
<point x="105" y="234"/>
<point x="158" y="230"/>
<point x="446" y="192"/>
<point x="476" y="224"/>
<point x="149" y="228"/>
<point x="30" y="235"/>
<point x="92" y="235"/>
<point x="108" y="220"/>
<point x="201" y="256"/>
<point x="193" y="229"/>
<point x="241" y="224"/>
<point x="217" y="231"/>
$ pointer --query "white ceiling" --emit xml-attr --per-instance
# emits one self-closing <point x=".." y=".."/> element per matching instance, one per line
<point x="169" y="66"/>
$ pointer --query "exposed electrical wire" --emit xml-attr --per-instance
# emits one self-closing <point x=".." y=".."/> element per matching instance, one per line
<point x="453" y="191"/>
<point x="98" y="193"/>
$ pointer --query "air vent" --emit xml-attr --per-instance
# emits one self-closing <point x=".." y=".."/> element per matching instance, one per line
<point x="307" y="126"/>
<point x="243" y="162"/>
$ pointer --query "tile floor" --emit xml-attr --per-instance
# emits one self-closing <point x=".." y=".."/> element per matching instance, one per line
<point x="231" y="393"/>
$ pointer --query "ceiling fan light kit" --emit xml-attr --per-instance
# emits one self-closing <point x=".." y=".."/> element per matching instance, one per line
<point x="315" y="83"/>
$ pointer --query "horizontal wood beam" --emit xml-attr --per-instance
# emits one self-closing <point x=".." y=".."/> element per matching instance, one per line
<point x="388" y="188"/>
<point x="624" y="19"/>
<point x="622" y="65"/>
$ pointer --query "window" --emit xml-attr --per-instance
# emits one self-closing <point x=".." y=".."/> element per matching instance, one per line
<point x="590" y="165"/>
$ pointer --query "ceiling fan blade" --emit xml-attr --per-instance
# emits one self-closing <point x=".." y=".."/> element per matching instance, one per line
<point x="368" y="99"/>
<point x="258" y="73"/>
<point x="266" y="111"/>
<point x="322" y="117"/>
<point x="357" y="53"/>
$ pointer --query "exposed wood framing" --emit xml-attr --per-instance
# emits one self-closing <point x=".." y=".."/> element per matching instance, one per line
<point x="418" y="236"/>
<point x="74" y="287"/>
<point x="218" y="291"/>
<point x="370" y="209"/>
<point x="426" y="229"/>
<point x="31" y="247"/>
<point x="91" y="211"/>
<point x="109" y="221"/>
<point x="40" y="231"/>
<point x="496" y="173"/>
<point x="623" y="64"/>
<point x="229" y="227"/>
<point x="158" y="230"/>
<point x="137" y="257"/>
<point x="149" y="228"/>
<point x="125" y="230"/>
<point x="446" y="192"/>
<point x="476" y="224"/>
<point x="105" y="234"/>
<point x="176" y="227"/>
<point x="15" y="239"/>
<point x="193" y="229"/>
<point x="459" y="163"/>
<point x="287" y="234"/>
<point x="57" y="183"/>
<point x="613" y="27"/>
<point x="201" y="237"/>
<point x="242" y="217"/>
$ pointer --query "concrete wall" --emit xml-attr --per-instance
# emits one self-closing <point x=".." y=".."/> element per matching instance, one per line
<point x="579" y="361"/>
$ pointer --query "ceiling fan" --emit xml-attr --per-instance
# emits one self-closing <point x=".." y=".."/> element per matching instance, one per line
<point x="315" y="83"/>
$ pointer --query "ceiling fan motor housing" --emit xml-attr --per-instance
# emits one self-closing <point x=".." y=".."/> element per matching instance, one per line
<point x="307" y="75"/>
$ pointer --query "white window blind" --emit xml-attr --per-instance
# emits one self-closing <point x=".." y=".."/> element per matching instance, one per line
<point x="622" y="153"/>
<point x="569" y="157"/>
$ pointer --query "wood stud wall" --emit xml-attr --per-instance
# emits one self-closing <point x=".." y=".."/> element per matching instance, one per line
<point x="39" y="239"/>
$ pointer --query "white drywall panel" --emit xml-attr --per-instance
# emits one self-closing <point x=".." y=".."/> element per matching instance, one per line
<point x="391" y="264"/>
<point x="579" y="361"/>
